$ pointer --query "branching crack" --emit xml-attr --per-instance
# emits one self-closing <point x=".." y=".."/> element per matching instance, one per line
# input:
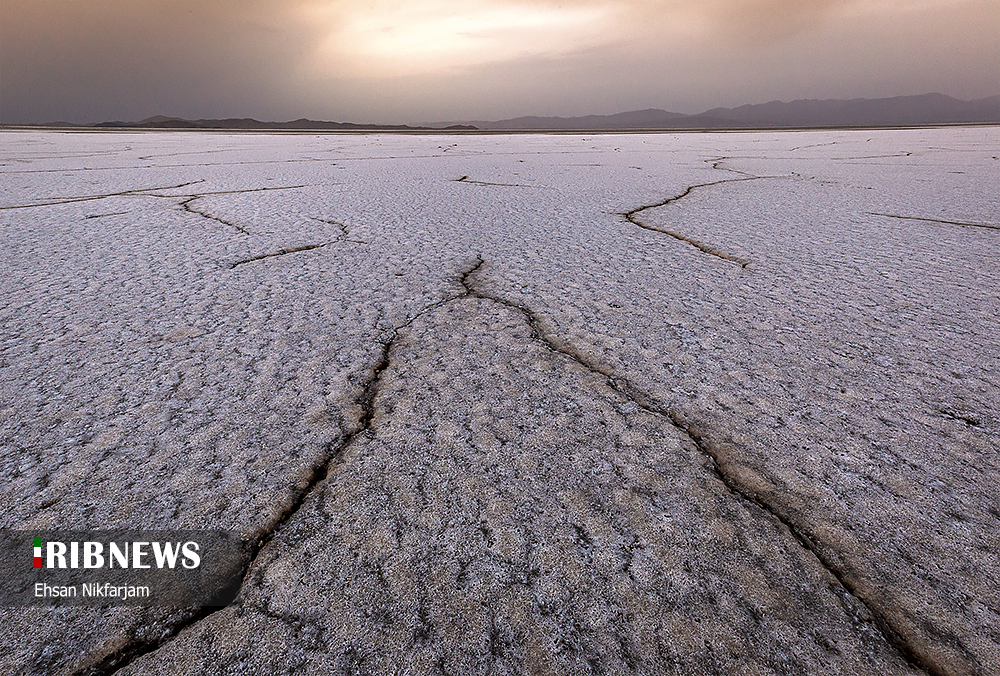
<point x="631" y="217"/>
<point x="935" y="220"/>
<point x="237" y="192"/>
<point x="624" y="387"/>
<point x="306" y="247"/>
<point x="154" y="192"/>
<point x="90" y="198"/>
<point x="717" y="164"/>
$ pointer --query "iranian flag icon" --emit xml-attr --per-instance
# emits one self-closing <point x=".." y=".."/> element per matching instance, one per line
<point x="38" y="552"/>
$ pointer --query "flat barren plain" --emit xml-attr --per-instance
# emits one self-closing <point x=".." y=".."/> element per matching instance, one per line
<point x="531" y="404"/>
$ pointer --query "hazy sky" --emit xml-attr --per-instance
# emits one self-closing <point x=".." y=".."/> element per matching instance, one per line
<point x="397" y="61"/>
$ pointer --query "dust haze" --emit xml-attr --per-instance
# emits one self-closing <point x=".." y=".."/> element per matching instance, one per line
<point x="395" y="62"/>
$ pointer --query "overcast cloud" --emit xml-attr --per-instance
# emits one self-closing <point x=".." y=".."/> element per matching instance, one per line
<point x="427" y="60"/>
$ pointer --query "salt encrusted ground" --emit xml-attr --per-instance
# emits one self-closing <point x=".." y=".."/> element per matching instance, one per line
<point x="486" y="413"/>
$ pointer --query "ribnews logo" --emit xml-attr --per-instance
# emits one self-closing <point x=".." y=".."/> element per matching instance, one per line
<point x="164" y="554"/>
<point x="162" y="568"/>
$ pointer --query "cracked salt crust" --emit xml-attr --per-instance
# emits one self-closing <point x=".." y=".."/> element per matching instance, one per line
<point x="822" y="380"/>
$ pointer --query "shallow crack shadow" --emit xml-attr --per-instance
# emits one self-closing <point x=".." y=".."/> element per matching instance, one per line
<point x="186" y="204"/>
<point x="280" y="252"/>
<point x="466" y="179"/>
<point x="935" y="220"/>
<point x="115" y="213"/>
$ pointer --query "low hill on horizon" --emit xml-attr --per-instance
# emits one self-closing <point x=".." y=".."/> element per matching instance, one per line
<point x="249" y="123"/>
<point x="899" y="111"/>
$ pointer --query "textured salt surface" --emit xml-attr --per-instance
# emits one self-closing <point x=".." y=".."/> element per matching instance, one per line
<point x="484" y="412"/>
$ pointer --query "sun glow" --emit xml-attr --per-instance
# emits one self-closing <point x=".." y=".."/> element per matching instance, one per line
<point x="392" y="39"/>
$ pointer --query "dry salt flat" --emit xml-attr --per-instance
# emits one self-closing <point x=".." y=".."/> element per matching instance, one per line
<point x="570" y="404"/>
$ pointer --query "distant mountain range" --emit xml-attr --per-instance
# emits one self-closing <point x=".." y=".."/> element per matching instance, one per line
<point x="900" y="111"/>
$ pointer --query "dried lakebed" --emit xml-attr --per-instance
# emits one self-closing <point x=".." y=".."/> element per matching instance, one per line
<point x="651" y="404"/>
